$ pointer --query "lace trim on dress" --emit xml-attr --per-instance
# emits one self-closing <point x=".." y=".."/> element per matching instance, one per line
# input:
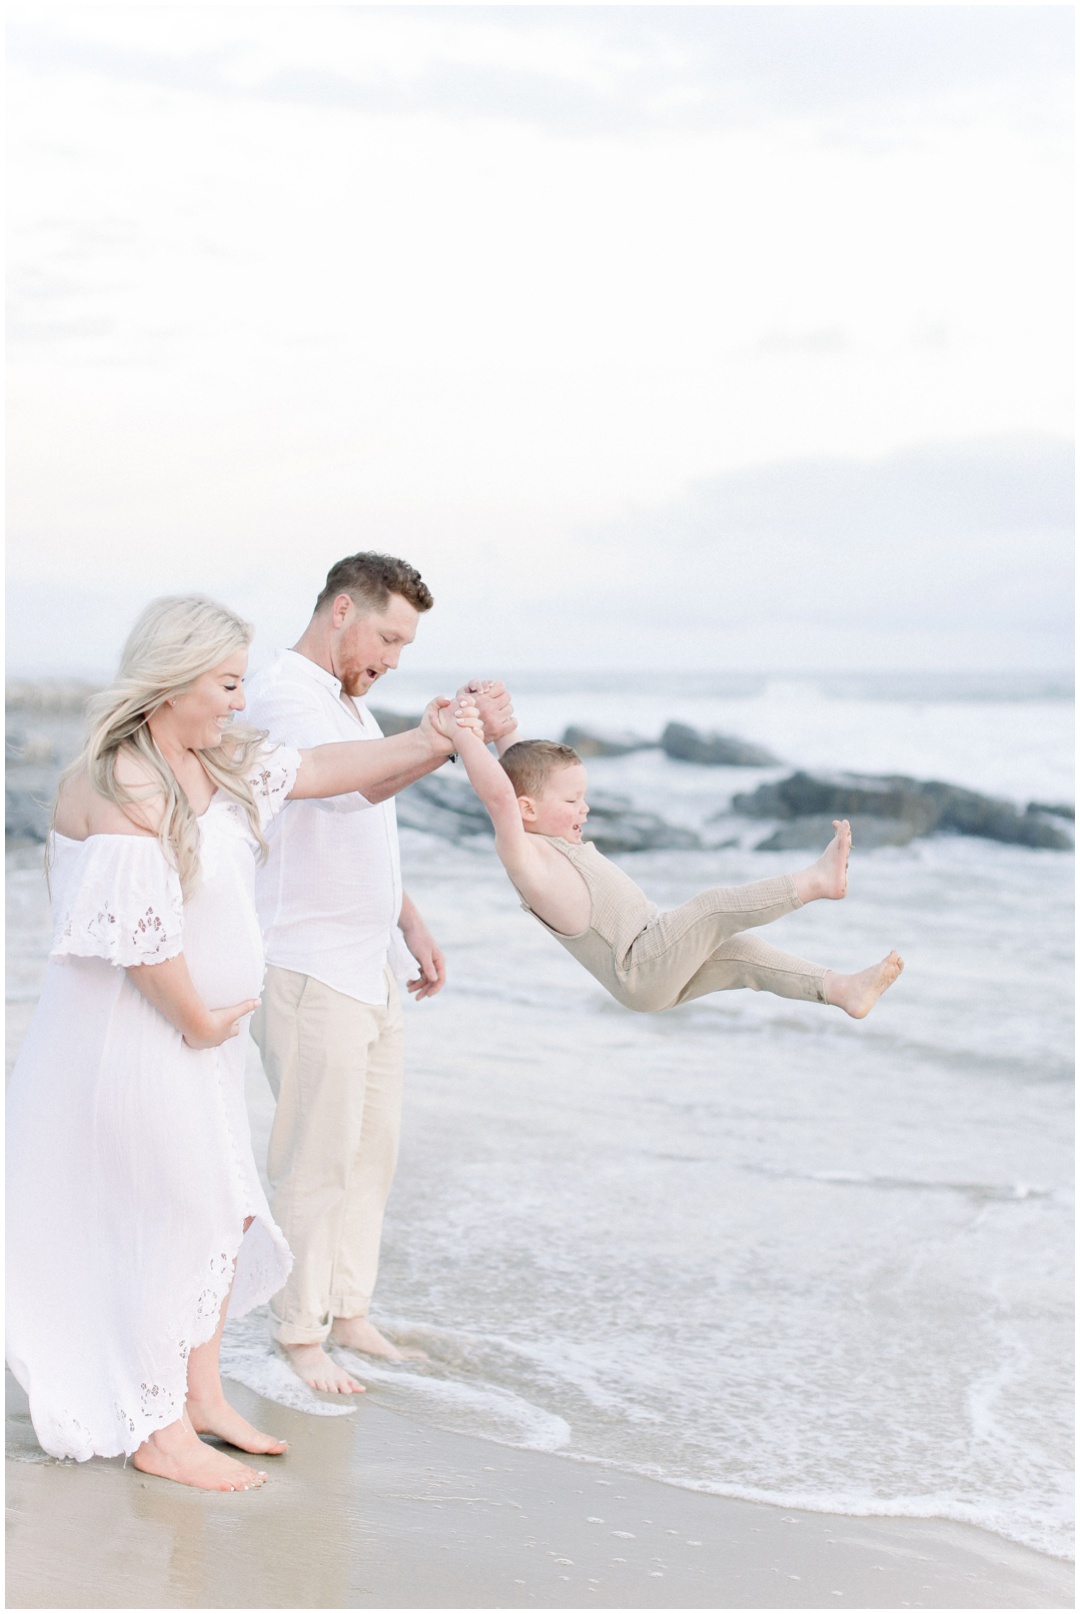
<point x="119" y="899"/>
<point x="271" y="780"/>
<point x="161" y="1404"/>
<point x="149" y="938"/>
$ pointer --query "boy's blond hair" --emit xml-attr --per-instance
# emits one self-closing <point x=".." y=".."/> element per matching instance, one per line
<point x="530" y="764"/>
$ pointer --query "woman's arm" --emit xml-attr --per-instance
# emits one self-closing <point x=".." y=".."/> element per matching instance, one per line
<point x="169" y="988"/>
<point x="377" y="769"/>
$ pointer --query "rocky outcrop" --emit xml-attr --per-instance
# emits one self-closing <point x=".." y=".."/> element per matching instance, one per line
<point x="1060" y="809"/>
<point x="686" y="744"/>
<point x="29" y="794"/>
<point x="588" y="743"/>
<point x="394" y="722"/>
<point x="445" y="805"/>
<point x="615" y="826"/>
<point x="901" y="808"/>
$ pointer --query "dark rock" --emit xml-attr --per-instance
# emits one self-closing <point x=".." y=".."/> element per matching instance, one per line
<point x="685" y="744"/>
<point x="1052" y="809"/>
<point x="29" y="794"/>
<point x="927" y="806"/>
<point x="393" y="722"/>
<point x="615" y="826"/>
<point x="446" y="806"/>
<point x="814" y="833"/>
<point x="587" y="743"/>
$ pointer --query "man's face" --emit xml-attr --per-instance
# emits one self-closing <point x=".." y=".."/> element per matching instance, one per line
<point x="369" y="644"/>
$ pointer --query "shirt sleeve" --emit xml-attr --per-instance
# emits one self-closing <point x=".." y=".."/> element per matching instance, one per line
<point x="272" y="778"/>
<point x="296" y="718"/>
<point x="121" y="902"/>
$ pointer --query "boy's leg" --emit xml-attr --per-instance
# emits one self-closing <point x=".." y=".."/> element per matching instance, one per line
<point x="747" y="961"/>
<point x="675" y="945"/>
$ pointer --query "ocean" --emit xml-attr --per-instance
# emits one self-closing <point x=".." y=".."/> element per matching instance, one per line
<point x="749" y="1246"/>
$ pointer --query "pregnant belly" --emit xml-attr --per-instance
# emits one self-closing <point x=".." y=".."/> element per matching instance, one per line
<point x="224" y="951"/>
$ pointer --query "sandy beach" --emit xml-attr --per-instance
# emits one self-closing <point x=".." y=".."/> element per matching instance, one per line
<point x="502" y="1216"/>
<point x="379" y="1511"/>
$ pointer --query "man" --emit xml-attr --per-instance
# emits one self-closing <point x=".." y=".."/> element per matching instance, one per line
<point x="339" y="930"/>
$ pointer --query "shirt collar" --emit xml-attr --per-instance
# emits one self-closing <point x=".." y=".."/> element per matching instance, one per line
<point x="311" y="669"/>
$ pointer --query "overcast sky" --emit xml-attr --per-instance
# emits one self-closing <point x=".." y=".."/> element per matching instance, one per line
<point x="707" y="336"/>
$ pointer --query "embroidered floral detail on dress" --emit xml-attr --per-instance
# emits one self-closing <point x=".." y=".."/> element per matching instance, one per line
<point x="121" y="901"/>
<point x="156" y="1401"/>
<point x="145" y="940"/>
<point x="271" y="780"/>
<point x="208" y="1305"/>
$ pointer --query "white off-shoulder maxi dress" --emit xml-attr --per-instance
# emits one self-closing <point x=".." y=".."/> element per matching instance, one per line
<point x="130" y="1168"/>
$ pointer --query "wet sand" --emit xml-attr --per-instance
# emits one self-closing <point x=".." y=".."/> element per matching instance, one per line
<point x="378" y="1511"/>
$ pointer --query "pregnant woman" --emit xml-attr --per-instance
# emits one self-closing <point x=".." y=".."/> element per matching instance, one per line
<point x="135" y="1213"/>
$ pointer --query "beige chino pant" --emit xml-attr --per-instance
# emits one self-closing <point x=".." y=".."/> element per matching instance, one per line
<point x="335" y="1067"/>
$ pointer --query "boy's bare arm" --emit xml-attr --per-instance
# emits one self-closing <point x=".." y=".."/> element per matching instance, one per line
<point x="492" y="784"/>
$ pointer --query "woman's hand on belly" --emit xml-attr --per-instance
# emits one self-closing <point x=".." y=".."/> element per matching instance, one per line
<point x="219" y="1025"/>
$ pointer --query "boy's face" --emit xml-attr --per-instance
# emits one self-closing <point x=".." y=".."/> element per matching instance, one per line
<point x="560" y="808"/>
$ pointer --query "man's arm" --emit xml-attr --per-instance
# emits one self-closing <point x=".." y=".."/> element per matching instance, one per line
<point x="376" y="769"/>
<point x="421" y="944"/>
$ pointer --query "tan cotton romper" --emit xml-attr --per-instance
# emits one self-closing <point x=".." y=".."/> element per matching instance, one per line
<point x="650" y="960"/>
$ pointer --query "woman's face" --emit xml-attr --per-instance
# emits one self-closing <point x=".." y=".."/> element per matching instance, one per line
<point x="201" y="714"/>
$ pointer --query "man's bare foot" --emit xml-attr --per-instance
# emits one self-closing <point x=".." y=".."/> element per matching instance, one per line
<point x="857" y="994"/>
<point x="828" y="876"/>
<point x="177" y="1453"/>
<point x="224" y="1422"/>
<point x="316" y="1369"/>
<point x="359" y="1334"/>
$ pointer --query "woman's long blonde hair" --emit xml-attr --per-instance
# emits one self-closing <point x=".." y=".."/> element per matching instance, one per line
<point x="174" y="642"/>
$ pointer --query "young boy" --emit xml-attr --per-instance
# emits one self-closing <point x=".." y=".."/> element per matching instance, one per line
<point x="647" y="960"/>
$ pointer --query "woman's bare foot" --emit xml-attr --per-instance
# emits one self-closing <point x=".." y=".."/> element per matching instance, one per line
<point x="226" y="1424"/>
<point x="857" y="994"/>
<point x="828" y="876"/>
<point x="176" y="1453"/>
<point x="317" y="1369"/>
<point x="359" y="1334"/>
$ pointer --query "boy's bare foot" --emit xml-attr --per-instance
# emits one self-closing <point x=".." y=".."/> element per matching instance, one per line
<point x="857" y="994"/>
<point x="224" y="1422"/>
<point x="359" y="1334"/>
<point x="828" y="876"/>
<point x="176" y="1453"/>
<point x="317" y="1369"/>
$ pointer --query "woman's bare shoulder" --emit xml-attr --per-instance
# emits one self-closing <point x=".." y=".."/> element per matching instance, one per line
<point x="81" y="810"/>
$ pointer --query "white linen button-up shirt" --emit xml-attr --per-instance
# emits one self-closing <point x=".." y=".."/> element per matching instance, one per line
<point x="329" y="895"/>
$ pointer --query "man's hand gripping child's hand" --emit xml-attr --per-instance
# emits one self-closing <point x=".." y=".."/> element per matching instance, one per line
<point x="450" y="719"/>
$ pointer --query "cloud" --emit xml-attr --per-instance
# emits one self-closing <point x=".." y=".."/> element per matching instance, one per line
<point x="954" y="557"/>
<point x="580" y="69"/>
<point x="947" y="555"/>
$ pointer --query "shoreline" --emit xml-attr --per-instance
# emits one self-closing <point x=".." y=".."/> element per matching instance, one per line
<point x="379" y="1510"/>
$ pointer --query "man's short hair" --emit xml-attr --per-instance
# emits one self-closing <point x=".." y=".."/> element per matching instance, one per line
<point x="530" y="764"/>
<point x="370" y="580"/>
